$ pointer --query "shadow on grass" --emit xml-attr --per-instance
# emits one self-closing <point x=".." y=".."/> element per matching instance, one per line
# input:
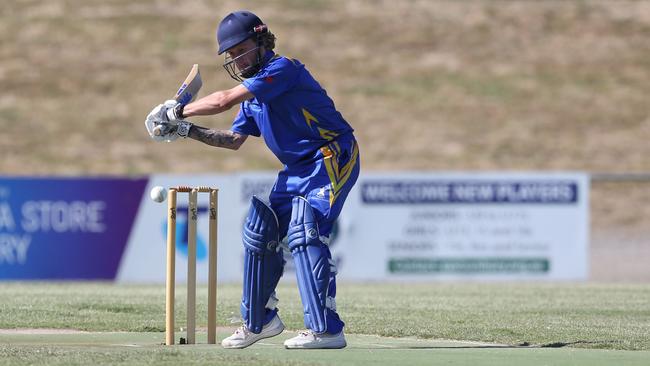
<point x="565" y="344"/>
<point x="440" y="347"/>
<point x="522" y="345"/>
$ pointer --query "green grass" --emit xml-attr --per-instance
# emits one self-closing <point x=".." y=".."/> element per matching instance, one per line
<point x="145" y="349"/>
<point x="578" y="315"/>
<point x="387" y="324"/>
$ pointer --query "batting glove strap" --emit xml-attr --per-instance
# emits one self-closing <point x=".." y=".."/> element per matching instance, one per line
<point x="183" y="129"/>
<point x="174" y="110"/>
<point x="178" y="111"/>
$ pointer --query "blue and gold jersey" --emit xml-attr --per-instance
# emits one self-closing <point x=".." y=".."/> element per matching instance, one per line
<point x="291" y="111"/>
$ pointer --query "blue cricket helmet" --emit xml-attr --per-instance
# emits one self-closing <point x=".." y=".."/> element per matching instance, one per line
<point x="237" y="27"/>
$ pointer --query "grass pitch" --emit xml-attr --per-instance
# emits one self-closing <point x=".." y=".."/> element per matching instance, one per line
<point x="145" y="348"/>
<point x="386" y="325"/>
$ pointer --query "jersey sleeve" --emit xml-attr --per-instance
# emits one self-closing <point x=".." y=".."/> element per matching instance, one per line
<point x="243" y="124"/>
<point x="274" y="80"/>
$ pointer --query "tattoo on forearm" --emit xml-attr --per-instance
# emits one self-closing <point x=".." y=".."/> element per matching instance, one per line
<point x="218" y="138"/>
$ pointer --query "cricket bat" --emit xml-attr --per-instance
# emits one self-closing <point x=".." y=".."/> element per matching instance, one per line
<point x="187" y="91"/>
<point x="190" y="87"/>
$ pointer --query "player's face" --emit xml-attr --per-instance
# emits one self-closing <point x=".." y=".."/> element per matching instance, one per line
<point x="243" y="60"/>
<point x="244" y="54"/>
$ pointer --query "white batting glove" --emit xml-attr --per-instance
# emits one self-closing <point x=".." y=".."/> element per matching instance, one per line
<point x="159" y="128"/>
<point x="165" y="132"/>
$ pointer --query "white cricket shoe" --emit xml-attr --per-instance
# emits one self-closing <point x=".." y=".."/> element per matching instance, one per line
<point x="309" y="339"/>
<point x="243" y="337"/>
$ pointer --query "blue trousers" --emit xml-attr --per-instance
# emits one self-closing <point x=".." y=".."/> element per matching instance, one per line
<point x="325" y="181"/>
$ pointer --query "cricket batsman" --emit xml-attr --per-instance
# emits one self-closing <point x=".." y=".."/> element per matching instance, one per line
<point x="279" y="100"/>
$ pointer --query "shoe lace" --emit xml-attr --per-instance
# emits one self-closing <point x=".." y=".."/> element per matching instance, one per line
<point x="307" y="333"/>
<point x="242" y="330"/>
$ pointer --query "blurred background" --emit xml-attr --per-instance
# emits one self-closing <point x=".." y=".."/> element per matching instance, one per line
<point x="427" y="85"/>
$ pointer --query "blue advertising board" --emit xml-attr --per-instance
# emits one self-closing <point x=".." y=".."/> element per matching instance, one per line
<point x="65" y="228"/>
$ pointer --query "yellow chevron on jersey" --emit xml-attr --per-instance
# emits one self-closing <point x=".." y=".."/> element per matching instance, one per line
<point x="327" y="134"/>
<point x="309" y="118"/>
<point x="338" y="175"/>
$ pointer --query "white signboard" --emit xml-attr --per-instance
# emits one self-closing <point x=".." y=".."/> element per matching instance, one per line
<point x="470" y="226"/>
<point x="400" y="226"/>
<point x="145" y="257"/>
